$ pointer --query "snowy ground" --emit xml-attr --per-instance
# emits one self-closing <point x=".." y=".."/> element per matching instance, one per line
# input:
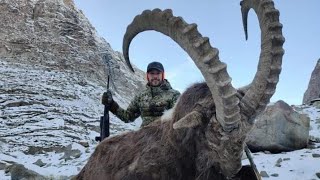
<point x="45" y="115"/>
<point x="35" y="123"/>
<point x="297" y="165"/>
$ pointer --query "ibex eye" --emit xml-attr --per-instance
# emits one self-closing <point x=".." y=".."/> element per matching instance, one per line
<point x="204" y="136"/>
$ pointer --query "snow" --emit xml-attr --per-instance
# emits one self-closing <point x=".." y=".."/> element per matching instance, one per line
<point x="49" y="123"/>
<point x="55" y="111"/>
<point x="295" y="165"/>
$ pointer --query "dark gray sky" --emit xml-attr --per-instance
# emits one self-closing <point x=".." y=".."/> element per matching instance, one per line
<point x="220" y="20"/>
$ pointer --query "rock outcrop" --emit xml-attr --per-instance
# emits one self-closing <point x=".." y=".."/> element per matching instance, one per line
<point x="279" y="128"/>
<point x="56" y="34"/>
<point x="313" y="91"/>
<point x="18" y="171"/>
<point x="53" y="71"/>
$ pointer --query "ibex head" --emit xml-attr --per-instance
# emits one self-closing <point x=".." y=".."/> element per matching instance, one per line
<point x="230" y="109"/>
<point x="234" y="109"/>
<point x="205" y="137"/>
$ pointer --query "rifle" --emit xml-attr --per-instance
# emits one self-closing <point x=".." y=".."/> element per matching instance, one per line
<point x="104" y="122"/>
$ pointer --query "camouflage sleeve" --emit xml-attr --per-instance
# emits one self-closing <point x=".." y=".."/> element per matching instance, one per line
<point x="176" y="95"/>
<point x="129" y="115"/>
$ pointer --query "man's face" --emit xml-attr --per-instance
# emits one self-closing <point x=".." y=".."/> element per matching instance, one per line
<point x="154" y="77"/>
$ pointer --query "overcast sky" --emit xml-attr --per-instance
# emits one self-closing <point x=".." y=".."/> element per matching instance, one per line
<point x="220" y="20"/>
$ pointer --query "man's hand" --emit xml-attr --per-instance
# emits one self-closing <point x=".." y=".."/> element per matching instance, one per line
<point x="107" y="98"/>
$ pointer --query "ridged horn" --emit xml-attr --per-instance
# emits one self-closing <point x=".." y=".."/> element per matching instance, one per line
<point x="201" y="52"/>
<point x="269" y="67"/>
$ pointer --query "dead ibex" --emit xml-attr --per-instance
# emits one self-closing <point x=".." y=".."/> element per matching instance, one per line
<point x="204" y="138"/>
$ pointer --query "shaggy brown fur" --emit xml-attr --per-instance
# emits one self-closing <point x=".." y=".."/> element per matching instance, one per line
<point x="158" y="151"/>
<point x="204" y="138"/>
<point x="196" y="97"/>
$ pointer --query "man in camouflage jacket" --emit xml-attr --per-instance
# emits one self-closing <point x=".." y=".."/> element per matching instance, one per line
<point x="150" y="103"/>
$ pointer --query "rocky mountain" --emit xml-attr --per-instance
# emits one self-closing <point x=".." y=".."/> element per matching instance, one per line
<point x="313" y="91"/>
<point x="53" y="71"/>
<point x="50" y="115"/>
<point x="57" y="35"/>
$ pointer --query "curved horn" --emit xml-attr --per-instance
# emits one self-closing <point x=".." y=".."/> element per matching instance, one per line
<point x="199" y="49"/>
<point x="264" y="83"/>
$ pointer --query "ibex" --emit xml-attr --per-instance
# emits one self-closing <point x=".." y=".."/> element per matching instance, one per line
<point x="205" y="136"/>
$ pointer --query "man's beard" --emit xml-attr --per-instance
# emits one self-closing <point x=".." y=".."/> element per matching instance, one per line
<point x="155" y="82"/>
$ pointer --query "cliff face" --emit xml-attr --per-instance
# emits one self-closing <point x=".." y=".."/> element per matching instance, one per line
<point x="313" y="91"/>
<point x="56" y="34"/>
<point x="53" y="71"/>
<point x="51" y="33"/>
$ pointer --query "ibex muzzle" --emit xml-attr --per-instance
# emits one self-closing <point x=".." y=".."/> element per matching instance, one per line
<point x="204" y="139"/>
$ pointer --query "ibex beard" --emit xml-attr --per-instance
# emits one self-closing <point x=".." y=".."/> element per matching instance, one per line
<point x="205" y="136"/>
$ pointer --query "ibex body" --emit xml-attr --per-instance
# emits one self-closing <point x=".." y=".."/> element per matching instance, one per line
<point x="205" y="136"/>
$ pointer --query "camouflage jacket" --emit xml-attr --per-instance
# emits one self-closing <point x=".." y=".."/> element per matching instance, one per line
<point x="149" y="104"/>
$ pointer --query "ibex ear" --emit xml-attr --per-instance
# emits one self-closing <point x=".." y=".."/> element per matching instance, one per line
<point x="191" y="120"/>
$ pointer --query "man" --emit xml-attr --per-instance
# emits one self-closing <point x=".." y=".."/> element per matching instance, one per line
<point x="150" y="103"/>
